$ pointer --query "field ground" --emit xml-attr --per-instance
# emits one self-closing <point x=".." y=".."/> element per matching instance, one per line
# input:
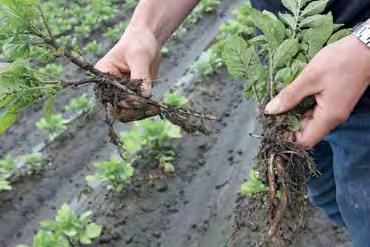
<point x="193" y="207"/>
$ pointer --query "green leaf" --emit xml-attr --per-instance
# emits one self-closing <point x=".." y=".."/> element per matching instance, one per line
<point x="174" y="99"/>
<point x="93" y="230"/>
<point x="289" y="20"/>
<point x="312" y="21"/>
<point x="291" y="5"/>
<point x="236" y="56"/>
<point x="7" y="119"/>
<point x="173" y="131"/>
<point x="315" y="7"/>
<point x="284" y="75"/>
<point x="315" y="38"/>
<point x="338" y="35"/>
<point x="49" y="224"/>
<point x="13" y="51"/>
<point x="253" y="185"/>
<point x="32" y="159"/>
<point x="84" y="239"/>
<point x="48" y="108"/>
<point x="294" y="123"/>
<point x="4" y="184"/>
<point x="270" y="26"/>
<point x="285" y="52"/>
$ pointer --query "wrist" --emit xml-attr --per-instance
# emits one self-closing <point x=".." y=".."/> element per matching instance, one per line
<point x="362" y="53"/>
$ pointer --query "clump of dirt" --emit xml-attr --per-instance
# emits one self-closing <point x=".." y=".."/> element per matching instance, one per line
<point x="123" y="101"/>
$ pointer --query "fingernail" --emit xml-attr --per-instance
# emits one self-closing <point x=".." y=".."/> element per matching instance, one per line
<point x="274" y="106"/>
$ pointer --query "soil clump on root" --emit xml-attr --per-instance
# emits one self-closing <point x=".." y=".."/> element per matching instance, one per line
<point x="276" y="216"/>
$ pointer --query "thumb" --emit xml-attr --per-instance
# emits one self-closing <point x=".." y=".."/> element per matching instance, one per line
<point x="140" y="69"/>
<point x="290" y="96"/>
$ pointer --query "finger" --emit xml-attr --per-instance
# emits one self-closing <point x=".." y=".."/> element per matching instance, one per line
<point x="107" y="67"/>
<point x="316" y="127"/>
<point x="155" y="67"/>
<point x="140" y="69"/>
<point x="290" y="96"/>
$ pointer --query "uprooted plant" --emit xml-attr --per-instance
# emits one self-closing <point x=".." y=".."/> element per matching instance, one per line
<point x="29" y="43"/>
<point x="269" y="62"/>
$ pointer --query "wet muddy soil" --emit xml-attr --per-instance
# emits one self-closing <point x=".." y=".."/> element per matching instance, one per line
<point x="193" y="207"/>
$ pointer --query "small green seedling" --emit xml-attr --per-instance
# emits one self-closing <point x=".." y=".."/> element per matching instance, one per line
<point x="114" y="172"/>
<point x="155" y="134"/>
<point x="33" y="160"/>
<point x="207" y="63"/>
<point x="165" y="162"/>
<point x="253" y="185"/>
<point x="174" y="99"/>
<point x="79" y="105"/>
<point x="8" y="165"/>
<point x="68" y="229"/>
<point x="53" y="126"/>
<point x="4" y="184"/>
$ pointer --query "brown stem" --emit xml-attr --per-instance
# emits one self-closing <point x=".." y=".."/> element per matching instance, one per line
<point x="272" y="187"/>
<point x="283" y="203"/>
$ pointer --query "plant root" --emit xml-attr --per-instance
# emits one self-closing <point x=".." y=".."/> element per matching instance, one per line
<point x="276" y="216"/>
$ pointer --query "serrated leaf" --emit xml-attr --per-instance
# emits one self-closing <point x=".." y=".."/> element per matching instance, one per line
<point x="7" y="119"/>
<point x="315" y="7"/>
<point x="312" y="21"/>
<point x="289" y="20"/>
<point x="283" y="75"/>
<point x="48" y="108"/>
<point x="285" y="52"/>
<point x="272" y="28"/>
<point x="4" y="184"/>
<point x="315" y="38"/>
<point x="13" y="52"/>
<point x="236" y="56"/>
<point x="338" y="35"/>
<point x="291" y="5"/>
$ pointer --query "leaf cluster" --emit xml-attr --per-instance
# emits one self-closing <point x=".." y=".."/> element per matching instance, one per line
<point x="155" y="135"/>
<point x="115" y="172"/>
<point x="287" y="42"/>
<point x="10" y="166"/>
<point x="174" y="99"/>
<point x="253" y="185"/>
<point x="67" y="229"/>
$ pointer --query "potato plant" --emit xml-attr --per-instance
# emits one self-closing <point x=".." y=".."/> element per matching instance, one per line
<point x="79" y="105"/>
<point x="286" y="44"/>
<point x="10" y="167"/>
<point x="155" y="135"/>
<point x="28" y="41"/>
<point x="67" y="230"/>
<point x="115" y="173"/>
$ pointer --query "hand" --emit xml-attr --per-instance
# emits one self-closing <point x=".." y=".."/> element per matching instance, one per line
<point x="337" y="76"/>
<point x="136" y="56"/>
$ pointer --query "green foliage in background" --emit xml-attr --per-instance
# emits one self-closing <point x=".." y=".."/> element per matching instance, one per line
<point x="115" y="172"/>
<point x="67" y="230"/>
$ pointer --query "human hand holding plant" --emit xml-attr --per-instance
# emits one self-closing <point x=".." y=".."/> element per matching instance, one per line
<point x="136" y="56"/>
<point x="337" y="76"/>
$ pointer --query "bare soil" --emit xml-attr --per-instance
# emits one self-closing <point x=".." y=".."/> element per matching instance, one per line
<point x="194" y="207"/>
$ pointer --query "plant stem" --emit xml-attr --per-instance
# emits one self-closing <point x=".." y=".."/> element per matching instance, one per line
<point x="271" y="76"/>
